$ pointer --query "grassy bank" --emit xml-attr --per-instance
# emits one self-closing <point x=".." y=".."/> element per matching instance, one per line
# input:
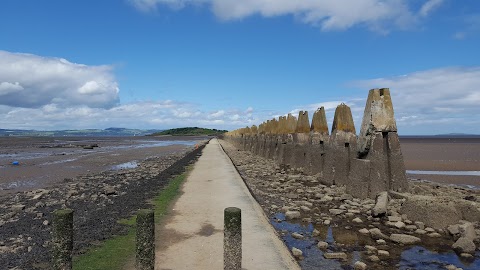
<point x="114" y="253"/>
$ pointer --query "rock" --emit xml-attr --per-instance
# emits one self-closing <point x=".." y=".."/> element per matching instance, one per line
<point x="357" y="220"/>
<point x="289" y="215"/>
<point x="420" y="231"/>
<point x="358" y="265"/>
<point x="429" y="230"/>
<point x="336" y="211"/>
<point x="383" y="253"/>
<point x="399" y="225"/>
<point x="394" y="218"/>
<point x="381" y="204"/>
<point x="439" y="211"/>
<point x="45" y="222"/>
<point x="381" y="242"/>
<point x="466" y="256"/>
<point x="297" y="235"/>
<point x="315" y="232"/>
<point x="411" y="227"/>
<point x="374" y="258"/>
<point x="371" y="249"/>
<point x="464" y="245"/>
<point x="322" y="245"/>
<point x="305" y="208"/>
<point x="454" y="230"/>
<point x="420" y="225"/>
<point x="468" y="230"/>
<point x="377" y="234"/>
<point x="405" y="239"/>
<point x="335" y="255"/>
<point x="17" y="207"/>
<point x="364" y="231"/>
<point x="327" y="222"/>
<point x="434" y="235"/>
<point x="297" y="252"/>
<point x="326" y="198"/>
<point x="451" y="267"/>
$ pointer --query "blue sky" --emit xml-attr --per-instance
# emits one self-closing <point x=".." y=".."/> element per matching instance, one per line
<point x="227" y="63"/>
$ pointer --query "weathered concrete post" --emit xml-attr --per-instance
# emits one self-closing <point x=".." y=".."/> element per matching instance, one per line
<point x="341" y="149"/>
<point x="319" y="138"/>
<point x="300" y="140"/>
<point x="232" y="239"/>
<point x="378" y="144"/>
<point x="145" y="253"/>
<point x="62" y="239"/>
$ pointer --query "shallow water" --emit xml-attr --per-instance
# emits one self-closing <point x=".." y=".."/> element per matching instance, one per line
<point x="470" y="173"/>
<point x="341" y="240"/>
<point x="126" y="165"/>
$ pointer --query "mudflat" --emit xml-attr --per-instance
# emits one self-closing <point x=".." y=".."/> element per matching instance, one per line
<point x="442" y="154"/>
<point x="44" y="161"/>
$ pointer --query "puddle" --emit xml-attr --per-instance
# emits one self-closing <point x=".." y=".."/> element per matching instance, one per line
<point x="57" y="162"/>
<point x="19" y="184"/>
<point x="467" y="173"/>
<point x="146" y="144"/>
<point x="126" y="165"/>
<point x="348" y="241"/>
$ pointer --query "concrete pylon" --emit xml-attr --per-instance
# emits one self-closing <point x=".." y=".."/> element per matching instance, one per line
<point x="341" y="147"/>
<point x="379" y="150"/>
<point x="301" y="139"/>
<point x="319" y="138"/>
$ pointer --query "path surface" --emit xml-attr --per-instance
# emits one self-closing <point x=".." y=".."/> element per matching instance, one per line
<point x="192" y="238"/>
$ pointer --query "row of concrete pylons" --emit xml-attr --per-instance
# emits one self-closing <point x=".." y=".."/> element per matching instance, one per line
<point x="366" y="164"/>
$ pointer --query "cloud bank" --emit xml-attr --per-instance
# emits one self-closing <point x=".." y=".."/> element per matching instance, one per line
<point x="32" y="81"/>
<point x="328" y="15"/>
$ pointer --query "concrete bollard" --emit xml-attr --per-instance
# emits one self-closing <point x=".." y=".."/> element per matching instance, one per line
<point x="232" y="239"/>
<point x="145" y="253"/>
<point x="62" y="239"/>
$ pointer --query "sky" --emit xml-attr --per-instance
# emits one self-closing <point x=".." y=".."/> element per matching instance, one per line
<point x="227" y="64"/>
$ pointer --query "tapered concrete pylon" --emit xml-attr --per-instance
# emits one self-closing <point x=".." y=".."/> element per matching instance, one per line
<point x="379" y="150"/>
<point x="377" y="117"/>
<point x="319" y="122"/>
<point x="303" y="124"/>
<point x="341" y="147"/>
<point x="319" y="137"/>
<point x="291" y="123"/>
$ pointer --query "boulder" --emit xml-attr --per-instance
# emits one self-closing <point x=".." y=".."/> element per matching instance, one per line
<point x="439" y="212"/>
<point x="464" y="245"/>
<point x="292" y="215"/>
<point x="381" y="204"/>
<point x="377" y="234"/>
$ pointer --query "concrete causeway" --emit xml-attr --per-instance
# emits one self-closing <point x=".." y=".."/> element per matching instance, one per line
<point x="192" y="236"/>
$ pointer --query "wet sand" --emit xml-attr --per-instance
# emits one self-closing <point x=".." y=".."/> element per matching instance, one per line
<point x="44" y="161"/>
<point x="442" y="154"/>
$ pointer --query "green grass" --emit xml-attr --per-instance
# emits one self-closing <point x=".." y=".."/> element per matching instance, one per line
<point x="115" y="252"/>
<point x="190" y="131"/>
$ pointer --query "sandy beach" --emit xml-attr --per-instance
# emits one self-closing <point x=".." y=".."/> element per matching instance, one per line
<point x="43" y="161"/>
<point x="442" y="154"/>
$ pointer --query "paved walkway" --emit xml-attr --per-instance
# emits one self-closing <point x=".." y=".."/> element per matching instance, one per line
<point x="192" y="238"/>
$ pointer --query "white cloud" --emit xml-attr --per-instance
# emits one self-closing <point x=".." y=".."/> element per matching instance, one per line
<point x="7" y="87"/>
<point x="45" y="80"/>
<point x="429" y="6"/>
<point x="432" y="101"/>
<point x="377" y="15"/>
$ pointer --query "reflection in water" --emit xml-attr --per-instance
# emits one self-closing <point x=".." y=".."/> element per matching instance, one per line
<point x="342" y="240"/>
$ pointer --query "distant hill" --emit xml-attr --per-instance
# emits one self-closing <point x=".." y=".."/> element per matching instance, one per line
<point x="190" y="131"/>
<point x="83" y="132"/>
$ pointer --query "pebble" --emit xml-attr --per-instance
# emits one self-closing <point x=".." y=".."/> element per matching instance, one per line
<point x="297" y="235"/>
<point x="364" y="231"/>
<point x="381" y="242"/>
<point x="357" y="220"/>
<point x="335" y="255"/>
<point x="45" y="222"/>
<point x="374" y="258"/>
<point x="322" y="245"/>
<point x="383" y="253"/>
<point x="359" y="265"/>
<point x="289" y="215"/>
<point x="297" y="252"/>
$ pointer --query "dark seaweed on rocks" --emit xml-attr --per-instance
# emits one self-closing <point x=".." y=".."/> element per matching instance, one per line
<point x="98" y="201"/>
